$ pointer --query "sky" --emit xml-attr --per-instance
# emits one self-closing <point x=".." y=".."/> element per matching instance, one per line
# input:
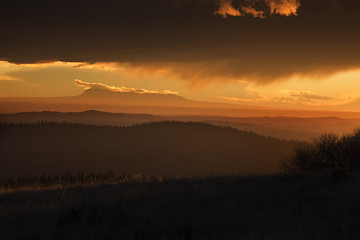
<point x="279" y="53"/>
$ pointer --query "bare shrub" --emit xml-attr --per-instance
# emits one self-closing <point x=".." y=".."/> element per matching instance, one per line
<point x="327" y="153"/>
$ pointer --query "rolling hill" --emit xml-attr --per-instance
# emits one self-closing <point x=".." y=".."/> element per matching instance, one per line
<point x="174" y="149"/>
<point x="291" y="128"/>
<point x="88" y="117"/>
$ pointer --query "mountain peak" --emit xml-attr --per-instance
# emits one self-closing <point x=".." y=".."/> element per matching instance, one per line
<point x="104" y="95"/>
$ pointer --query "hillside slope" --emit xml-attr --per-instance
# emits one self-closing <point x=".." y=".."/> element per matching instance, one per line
<point x="87" y="117"/>
<point x="302" y="129"/>
<point x="163" y="148"/>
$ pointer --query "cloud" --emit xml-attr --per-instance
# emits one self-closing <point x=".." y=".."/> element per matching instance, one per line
<point x="305" y="95"/>
<point x="170" y="92"/>
<point x="301" y="97"/>
<point x="235" y="99"/>
<point x="109" y="67"/>
<point x="281" y="7"/>
<point x="102" y="86"/>
<point x="226" y="9"/>
<point x="287" y="97"/>
<point x="252" y="11"/>
<point x="6" y="78"/>
<point x="284" y="7"/>
<point x="184" y="39"/>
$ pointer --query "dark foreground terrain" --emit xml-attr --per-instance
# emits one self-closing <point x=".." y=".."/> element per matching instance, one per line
<point x="244" y="207"/>
<point x="162" y="148"/>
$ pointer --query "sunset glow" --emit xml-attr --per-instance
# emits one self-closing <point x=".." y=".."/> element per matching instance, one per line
<point x="281" y="7"/>
<point x="180" y="119"/>
<point x="340" y="91"/>
<point x="226" y="8"/>
<point x="286" y="54"/>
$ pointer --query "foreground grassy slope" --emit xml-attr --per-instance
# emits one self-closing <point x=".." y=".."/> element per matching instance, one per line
<point x="163" y="148"/>
<point x="266" y="207"/>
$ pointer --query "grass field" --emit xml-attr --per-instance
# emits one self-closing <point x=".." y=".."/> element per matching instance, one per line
<point x="238" y="207"/>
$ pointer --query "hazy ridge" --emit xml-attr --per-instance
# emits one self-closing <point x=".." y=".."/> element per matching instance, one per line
<point x="296" y="128"/>
<point x="162" y="148"/>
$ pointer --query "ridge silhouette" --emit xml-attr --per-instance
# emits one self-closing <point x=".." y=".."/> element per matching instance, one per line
<point x="175" y="149"/>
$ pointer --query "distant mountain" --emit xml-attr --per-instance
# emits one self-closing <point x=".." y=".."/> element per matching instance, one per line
<point x="149" y="99"/>
<point x="162" y="148"/>
<point x="127" y="102"/>
<point x="89" y="117"/>
<point x="304" y="129"/>
<point x="131" y="98"/>
<point x="150" y="103"/>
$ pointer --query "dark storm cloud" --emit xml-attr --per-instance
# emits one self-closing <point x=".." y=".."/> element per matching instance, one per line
<point x="186" y="37"/>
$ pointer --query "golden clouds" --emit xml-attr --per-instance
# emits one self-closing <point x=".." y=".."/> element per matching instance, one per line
<point x="226" y="8"/>
<point x="281" y="7"/>
<point x="101" y="86"/>
<point x="301" y="97"/>
<point x="292" y="97"/>
<point x="203" y="82"/>
<point x="252" y="11"/>
<point x="187" y="41"/>
<point x="170" y="92"/>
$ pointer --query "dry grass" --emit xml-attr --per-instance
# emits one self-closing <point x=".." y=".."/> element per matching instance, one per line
<point x="242" y="207"/>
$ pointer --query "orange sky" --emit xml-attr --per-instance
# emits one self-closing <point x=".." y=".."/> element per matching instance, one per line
<point x="301" y="54"/>
<point x="340" y="91"/>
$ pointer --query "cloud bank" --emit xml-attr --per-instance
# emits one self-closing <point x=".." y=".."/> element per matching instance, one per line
<point x="284" y="7"/>
<point x="226" y="8"/>
<point x="101" y="86"/>
<point x="265" y="40"/>
<point x="281" y="7"/>
<point x="287" y="97"/>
